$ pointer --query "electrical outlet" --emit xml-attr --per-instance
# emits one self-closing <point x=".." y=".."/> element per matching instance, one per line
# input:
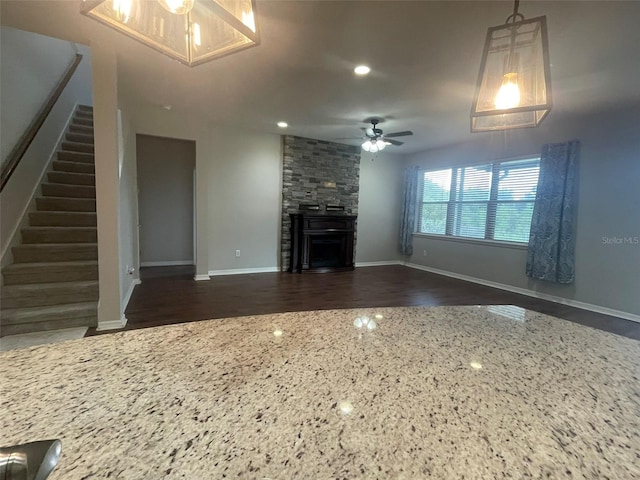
<point x="237" y="253"/>
<point x="424" y="253"/>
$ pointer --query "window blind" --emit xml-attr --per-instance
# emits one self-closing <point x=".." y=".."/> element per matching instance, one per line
<point x="493" y="201"/>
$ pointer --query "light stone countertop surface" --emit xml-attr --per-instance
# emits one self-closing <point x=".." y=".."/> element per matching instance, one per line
<point x="444" y="393"/>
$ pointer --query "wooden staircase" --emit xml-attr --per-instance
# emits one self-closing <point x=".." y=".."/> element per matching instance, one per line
<point x="53" y="280"/>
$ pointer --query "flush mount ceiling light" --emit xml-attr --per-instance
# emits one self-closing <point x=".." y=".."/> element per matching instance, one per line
<point x="283" y="124"/>
<point x="190" y="31"/>
<point x="514" y="85"/>
<point x="361" y="70"/>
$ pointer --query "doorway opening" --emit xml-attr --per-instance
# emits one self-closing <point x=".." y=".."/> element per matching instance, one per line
<point x="166" y="201"/>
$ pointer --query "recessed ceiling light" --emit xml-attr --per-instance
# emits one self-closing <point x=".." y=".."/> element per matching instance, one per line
<point x="361" y="70"/>
<point x="283" y="124"/>
<point x="167" y="107"/>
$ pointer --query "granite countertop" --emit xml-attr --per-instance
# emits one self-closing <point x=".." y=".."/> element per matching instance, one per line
<point x="445" y="392"/>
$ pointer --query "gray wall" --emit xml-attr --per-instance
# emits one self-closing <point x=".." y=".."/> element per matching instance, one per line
<point x="165" y="193"/>
<point x="379" y="207"/>
<point x="238" y="188"/>
<point x="244" y="200"/>
<point x="607" y="274"/>
<point x="32" y="65"/>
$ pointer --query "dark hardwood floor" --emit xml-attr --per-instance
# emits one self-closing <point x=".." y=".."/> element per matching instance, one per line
<point x="169" y="295"/>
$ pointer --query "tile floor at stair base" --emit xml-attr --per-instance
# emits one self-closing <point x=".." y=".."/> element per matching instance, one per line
<point x="26" y="340"/>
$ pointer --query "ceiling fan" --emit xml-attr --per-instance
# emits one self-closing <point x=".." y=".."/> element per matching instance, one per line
<point x="377" y="140"/>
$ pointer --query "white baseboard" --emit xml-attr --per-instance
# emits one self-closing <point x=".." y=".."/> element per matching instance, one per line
<point x="199" y="278"/>
<point x="243" y="271"/>
<point x="379" y="264"/>
<point x="172" y="263"/>
<point x="132" y="285"/>
<point x="112" y="324"/>
<point x="531" y="293"/>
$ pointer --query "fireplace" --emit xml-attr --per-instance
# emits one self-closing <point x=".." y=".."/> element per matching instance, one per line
<point x="321" y="243"/>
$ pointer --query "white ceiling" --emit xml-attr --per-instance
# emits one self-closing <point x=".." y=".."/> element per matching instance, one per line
<point x="424" y="57"/>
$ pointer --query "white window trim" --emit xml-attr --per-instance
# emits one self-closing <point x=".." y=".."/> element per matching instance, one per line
<point x="477" y="241"/>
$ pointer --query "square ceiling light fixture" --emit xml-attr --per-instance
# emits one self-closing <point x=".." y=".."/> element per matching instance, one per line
<point x="514" y="85"/>
<point x="191" y="31"/>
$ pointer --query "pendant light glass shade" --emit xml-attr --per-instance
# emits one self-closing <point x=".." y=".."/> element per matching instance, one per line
<point x="179" y="7"/>
<point x="374" y="146"/>
<point x="514" y="87"/>
<point x="190" y="31"/>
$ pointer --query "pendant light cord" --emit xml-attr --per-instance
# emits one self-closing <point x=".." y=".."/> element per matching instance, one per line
<point x="515" y="16"/>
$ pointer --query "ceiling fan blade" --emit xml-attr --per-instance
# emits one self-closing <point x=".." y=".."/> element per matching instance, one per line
<point x="393" y="142"/>
<point x="348" y="138"/>
<point x="369" y="132"/>
<point x="399" y="134"/>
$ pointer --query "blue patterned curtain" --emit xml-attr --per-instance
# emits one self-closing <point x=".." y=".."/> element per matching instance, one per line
<point x="409" y="205"/>
<point x="552" y="241"/>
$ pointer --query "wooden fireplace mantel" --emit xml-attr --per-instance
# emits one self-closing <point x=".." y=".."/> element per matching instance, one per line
<point x="322" y="243"/>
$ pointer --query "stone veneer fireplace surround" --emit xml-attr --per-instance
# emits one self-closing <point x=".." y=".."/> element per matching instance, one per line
<point x="316" y="172"/>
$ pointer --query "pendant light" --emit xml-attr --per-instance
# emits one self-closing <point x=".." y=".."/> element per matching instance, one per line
<point x="190" y="31"/>
<point x="514" y="85"/>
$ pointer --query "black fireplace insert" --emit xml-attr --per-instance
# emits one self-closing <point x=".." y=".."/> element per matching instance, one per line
<point x="322" y="243"/>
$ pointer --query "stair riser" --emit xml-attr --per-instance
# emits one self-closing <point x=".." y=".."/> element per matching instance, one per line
<point x="54" y="253"/>
<point x="54" y="297"/>
<point x="65" y="204"/>
<point x="79" y="137"/>
<point x="72" y="191"/>
<point x="86" y="321"/>
<point x="77" y="147"/>
<point x="73" y="167"/>
<point x="83" y="129"/>
<point x="51" y="274"/>
<point x="53" y="219"/>
<point x="60" y="236"/>
<point x="67" y="156"/>
<point x="72" y="178"/>
<point x="84" y="121"/>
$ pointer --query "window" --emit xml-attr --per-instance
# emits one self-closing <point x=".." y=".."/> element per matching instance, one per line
<point x="493" y="201"/>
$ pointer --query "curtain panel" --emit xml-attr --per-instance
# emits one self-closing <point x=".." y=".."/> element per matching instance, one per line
<point x="551" y="252"/>
<point x="408" y="214"/>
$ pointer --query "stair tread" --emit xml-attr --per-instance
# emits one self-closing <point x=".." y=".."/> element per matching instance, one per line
<point x="55" y="245"/>
<point x="62" y="212"/>
<point x="49" y="197"/>
<point x="64" y="162"/>
<point x="11" y="313"/>
<point x="86" y="154"/>
<point x="75" y="173"/>
<point x="36" y="287"/>
<point x="55" y="227"/>
<point x="30" y="265"/>
<point x="69" y="184"/>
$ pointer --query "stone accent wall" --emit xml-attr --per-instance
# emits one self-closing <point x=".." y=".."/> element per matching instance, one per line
<point x="316" y="172"/>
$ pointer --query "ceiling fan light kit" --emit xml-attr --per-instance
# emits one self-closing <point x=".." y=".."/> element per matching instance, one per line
<point x="514" y="85"/>
<point x="190" y="31"/>
<point x="376" y="139"/>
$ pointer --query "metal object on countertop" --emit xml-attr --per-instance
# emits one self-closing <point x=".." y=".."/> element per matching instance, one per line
<point x="30" y="461"/>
